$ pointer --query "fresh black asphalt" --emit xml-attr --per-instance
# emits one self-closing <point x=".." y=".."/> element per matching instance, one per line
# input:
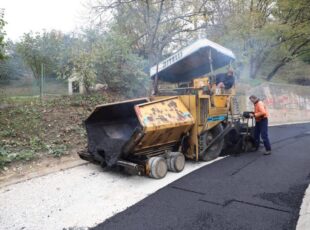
<point x="249" y="191"/>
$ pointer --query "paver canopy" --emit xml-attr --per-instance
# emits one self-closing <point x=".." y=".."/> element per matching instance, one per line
<point x="192" y="61"/>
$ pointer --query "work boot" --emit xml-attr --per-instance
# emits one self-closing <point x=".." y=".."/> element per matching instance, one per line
<point x="267" y="152"/>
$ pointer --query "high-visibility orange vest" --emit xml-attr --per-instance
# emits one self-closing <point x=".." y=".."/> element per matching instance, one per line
<point x="260" y="111"/>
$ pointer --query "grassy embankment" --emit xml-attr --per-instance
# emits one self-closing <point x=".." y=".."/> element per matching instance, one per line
<point x="30" y="130"/>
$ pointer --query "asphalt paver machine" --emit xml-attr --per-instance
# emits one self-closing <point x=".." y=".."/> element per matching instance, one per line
<point x="183" y="119"/>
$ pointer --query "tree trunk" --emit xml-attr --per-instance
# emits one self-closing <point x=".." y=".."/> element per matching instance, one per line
<point x="258" y="64"/>
<point x="276" y="68"/>
<point x="252" y="67"/>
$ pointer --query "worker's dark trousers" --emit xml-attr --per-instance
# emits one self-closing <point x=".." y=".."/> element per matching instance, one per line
<point x="261" y="129"/>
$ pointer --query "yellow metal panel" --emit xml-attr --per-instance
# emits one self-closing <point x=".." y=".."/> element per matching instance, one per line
<point x="213" y="124"/>
<point x="218" y="111"/>
<point x="163" y="114"/>
<point x="200" y="82"/>
<point x="220" y="100"/>
<point x="191" y="102"/>
<point x="161" y="137"/>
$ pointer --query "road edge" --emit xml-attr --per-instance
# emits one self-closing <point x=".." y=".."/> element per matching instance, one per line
<point x="289" y="123"/>
<point x="304" y="213"/>
<point x="54" y="169"/>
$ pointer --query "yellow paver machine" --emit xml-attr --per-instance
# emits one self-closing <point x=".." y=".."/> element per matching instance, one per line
<point x="183" y="119"/>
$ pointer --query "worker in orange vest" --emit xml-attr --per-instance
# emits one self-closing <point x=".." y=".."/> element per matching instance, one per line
<point x="261" y="125"/>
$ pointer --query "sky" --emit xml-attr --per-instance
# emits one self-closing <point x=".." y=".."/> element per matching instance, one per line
<point x="25" y="15"/>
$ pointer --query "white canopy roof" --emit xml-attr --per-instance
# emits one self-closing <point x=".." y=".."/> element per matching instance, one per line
<point x="192" y="61"/>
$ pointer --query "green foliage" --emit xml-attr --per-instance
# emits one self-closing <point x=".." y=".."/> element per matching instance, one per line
<point x="95" y="57"/>
<point x="83" y="62"/>
<point x="57" y="150"/>
<point x="8" y="133"/>
<point x="7" y="157"/>
<point x="266" y="35"/>
<point x="62" y="55"/>
<point x="29" y="129"/>
<point x="2" y="34"/>
<point x="305" y="57"/>
<point x="12" y="67"/>
<point x="85" y="100"/>
<point x="37" y="49"/>
<point x="36" y="144"/>
<point x="118" y="66"/>
<point x="4" y="157"/>
<point x="25" y="155"/>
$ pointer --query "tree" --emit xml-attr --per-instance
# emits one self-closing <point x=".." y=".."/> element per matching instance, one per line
<point x="2" y="34"/>
<point x="94" y="56"/>
<point x="155" y="27"/>
<point x="247" y="28"/>
<point x="81" y="61"/>
<point x="42" y="48"/>
<point x="293" y="32"/>
<point x="12" y="67"/>
<point x="118" y="66"/>
<point x="265" y="34"/>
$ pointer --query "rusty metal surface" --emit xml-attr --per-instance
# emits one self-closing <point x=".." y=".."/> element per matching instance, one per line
<point x="164" y="121"/>
<point x="158" y="138"/>
<point x="164" y="114"/>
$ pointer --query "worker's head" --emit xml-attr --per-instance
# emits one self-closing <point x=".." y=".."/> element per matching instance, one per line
<point x="253" y="99"/>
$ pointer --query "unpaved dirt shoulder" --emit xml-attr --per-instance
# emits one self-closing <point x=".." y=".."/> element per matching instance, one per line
<point x="19" y="172"/>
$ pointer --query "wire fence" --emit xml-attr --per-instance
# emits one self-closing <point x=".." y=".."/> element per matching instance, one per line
<point x="29" y="87"/>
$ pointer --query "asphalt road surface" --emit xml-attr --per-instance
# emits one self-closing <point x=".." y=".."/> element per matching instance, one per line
<point x="249" y="191"/>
